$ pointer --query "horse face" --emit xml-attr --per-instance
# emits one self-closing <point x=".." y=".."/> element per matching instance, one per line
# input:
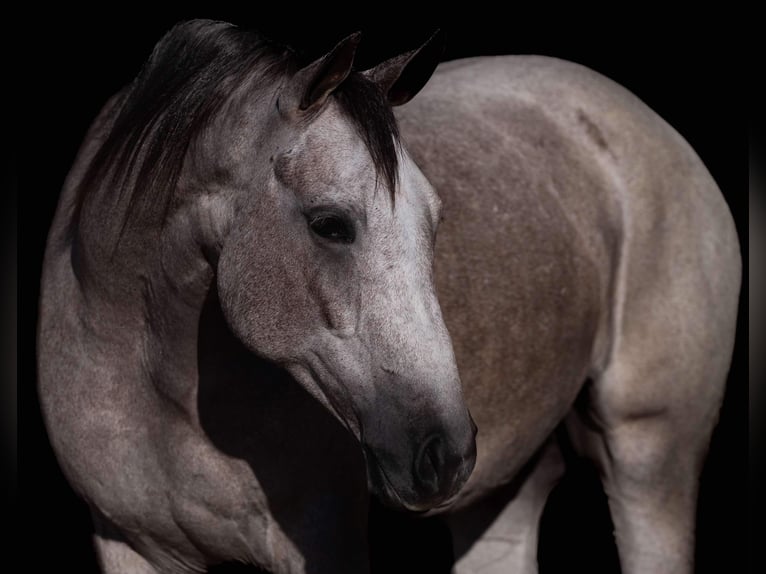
<point x="327" y="274"/>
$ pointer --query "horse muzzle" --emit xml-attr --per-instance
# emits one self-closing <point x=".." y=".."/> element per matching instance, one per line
<point x="441" y="466"/>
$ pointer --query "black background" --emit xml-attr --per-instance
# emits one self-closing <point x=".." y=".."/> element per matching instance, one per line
<point x="684" y="68"/>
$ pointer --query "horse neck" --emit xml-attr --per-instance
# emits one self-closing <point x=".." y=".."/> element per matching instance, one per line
<point x="148" y="295"/>
<point x="177" y="291"/>
<point x="152" y="278"/>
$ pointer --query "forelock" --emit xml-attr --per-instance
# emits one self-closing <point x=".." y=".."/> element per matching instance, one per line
<point x="367" y="108"/>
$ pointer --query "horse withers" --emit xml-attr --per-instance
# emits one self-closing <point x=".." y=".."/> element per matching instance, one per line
<point x="239" y="326"/>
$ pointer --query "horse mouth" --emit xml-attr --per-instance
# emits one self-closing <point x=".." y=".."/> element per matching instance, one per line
<point x="443" y="506"/>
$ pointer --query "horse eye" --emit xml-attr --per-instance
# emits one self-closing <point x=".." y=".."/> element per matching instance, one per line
<point x="332" y="228"/>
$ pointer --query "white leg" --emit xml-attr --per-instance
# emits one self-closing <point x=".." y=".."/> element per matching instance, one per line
<point x="509" y="543"/>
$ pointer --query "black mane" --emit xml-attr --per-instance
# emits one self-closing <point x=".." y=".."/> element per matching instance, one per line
<point x="187" y="78"/>
<point x="370" y="112"/>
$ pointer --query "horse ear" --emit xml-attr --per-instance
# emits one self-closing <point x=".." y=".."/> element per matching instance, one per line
<point x="312" y="85"/>
<point x="403" y="76"/>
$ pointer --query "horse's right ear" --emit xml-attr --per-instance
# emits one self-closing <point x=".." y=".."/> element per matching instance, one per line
<point x="403" y="76"/>
<point x="311" y="86"/>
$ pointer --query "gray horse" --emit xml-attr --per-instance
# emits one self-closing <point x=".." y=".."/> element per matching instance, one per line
<point x="239" y="331"/>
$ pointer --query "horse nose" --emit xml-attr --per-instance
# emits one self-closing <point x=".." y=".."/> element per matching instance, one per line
<point x="441" y="468"/>
<point x="474" y="428"/>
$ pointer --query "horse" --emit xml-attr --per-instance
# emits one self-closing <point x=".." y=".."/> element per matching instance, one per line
<point x="248" y="321"/>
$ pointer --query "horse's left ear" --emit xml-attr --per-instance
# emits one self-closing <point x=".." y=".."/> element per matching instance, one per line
<point x="403" y="76"/>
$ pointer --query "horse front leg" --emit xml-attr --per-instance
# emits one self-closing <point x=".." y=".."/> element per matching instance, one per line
<point x="490" y="542"/>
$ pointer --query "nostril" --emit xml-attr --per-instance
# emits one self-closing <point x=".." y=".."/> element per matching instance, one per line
<point x="430" y="462"/>
<point x="442" y="467"/>
<point x="474" y="428"/>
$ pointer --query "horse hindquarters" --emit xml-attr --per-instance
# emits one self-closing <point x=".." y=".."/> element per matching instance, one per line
<point x="650" y="461"/>
<point x="652" y="410"/>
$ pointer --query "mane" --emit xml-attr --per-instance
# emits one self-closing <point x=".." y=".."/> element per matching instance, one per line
<point x="371" y="113"/>
<point x="189" y="75"/>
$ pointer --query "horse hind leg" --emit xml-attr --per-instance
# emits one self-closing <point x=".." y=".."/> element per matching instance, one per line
<point x="115" y="555"/>
<point x="648" y="431"/>
<point x="487" y="542"/>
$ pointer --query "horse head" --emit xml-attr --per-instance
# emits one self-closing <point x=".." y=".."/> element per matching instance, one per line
<point x="325" y="265"/>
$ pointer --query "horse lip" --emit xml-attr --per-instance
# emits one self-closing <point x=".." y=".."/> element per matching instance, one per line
<point x="444" y="505"/>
